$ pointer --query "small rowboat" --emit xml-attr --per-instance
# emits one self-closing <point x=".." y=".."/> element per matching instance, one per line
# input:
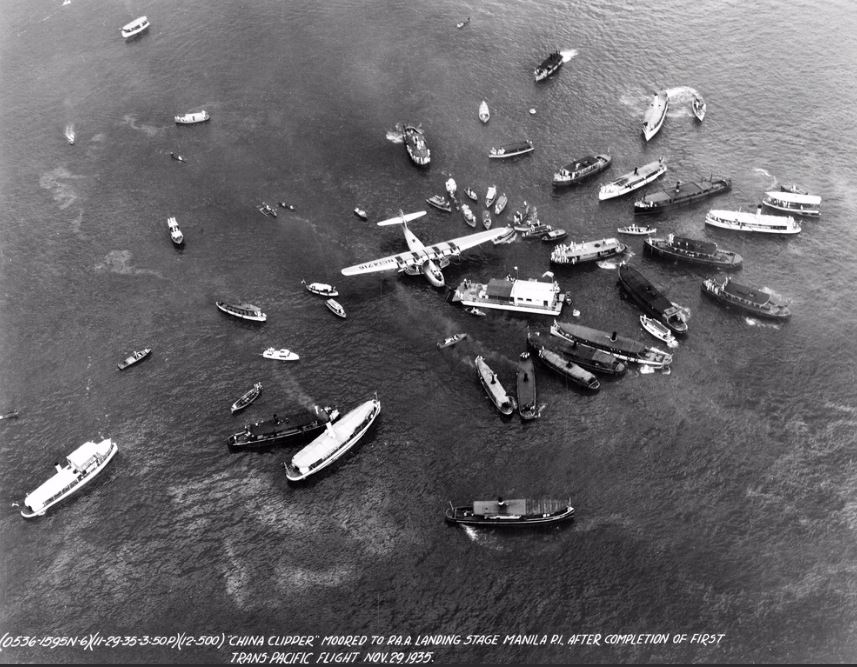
<point x="452" y="340"/>
<point x="361" y="213"/>
<point x="484" y="113"/>
<point x="471" y="193"/>
<point x="473" y="310"/>
<point x="280" y="355"/>
<point x="247" y="398"/>
<point x="469" y="217"/>
<point x="335" y="308"/>
<point x="637" y="230"/>
<point x="322" y="289"/>
<point x="698" y="108"/>
<point x="193" y="118"/>
<point x="658" y="330"/>
<point x="490" y="196"/>
<point x="554" y="235"/>
<point x="502" y="200"/>
<point x="133" y="358"/>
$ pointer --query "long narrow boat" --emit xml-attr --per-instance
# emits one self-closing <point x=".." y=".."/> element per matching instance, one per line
<point x="511" y="150"/>
<point x="244" y="311"/>
<point x="568" y="369"/>
<point x="278" y="430"/>
<point x="518" y="512"/>
<point x="337" y="439"/>
<point x="490" y="382"/>
<point x="637" y="230"/>
<point x="133" y="358"/>
<point x="579" y="170"/>
<point x="247" y="398"/>
<point x="650" y="299"/>
<point x="753" y="300"/>
<point x="416" y="146"/>
<point x="548" y="66"/>
<point x="591" y="358"/>
<point x="654" y="117"/>
<point x="692" y="251"/>
<point x="633" y="180"/>
<point x="525" y="379"/>
<point x="193" y="118"/>
<point x="684" y="192"/>
<point x="82" y="465"/>
<point x="587" y="251"/>
<point x="744" y="221"/>
<point x="791" y="202"/>
<point x="622" y="347"/>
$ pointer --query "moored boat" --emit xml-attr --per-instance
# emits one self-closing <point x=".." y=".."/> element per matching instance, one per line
<point x="637" y="230"/>
<point x="508" y="237"/>
<point x="633" y="180"/>
<point x="82" y="465"/>
<point x="247" y="398"/>
<point x="534" y="296"/>
<point x="491" y="383"/>
<point x="135" y="27"/>
<point x="511" y="150"/>
<point x="791" y="202"/>
<point x="525" y="380"/>
<point x="684" y="192"/>
<point x="586" y="356"/>
<point x="587" y="251"/>
<point x="416" y="146"/>
<point x="469" y="217"/>
<point x="244" y="311"/>
<point x="322" y="289"/>
<point x="692" y="251"/>
<point x="548" y="66"/>
<point x="568" y="369"/>
<point x="658" y="330"/>
<point x="484" y="113"/>
<point x="486" y="219"/>
<point x="579" y="170"/>
<point x="536" y="231"/>
<point x="439" y="202"/>
<point x="471" y="193"/>
<point x="654" y="117"/>
<point x="554" y="235"/>
<point x="336" y="308"/>
<point x="622" y="347"/>
<point x="652" y="301"/>
<point x="754" y="300"/>
<point x="176" y="235"/>
<point x="490" y="196"/>
<point x="193" y="118"/>
<point x="518" y="512"/>
<point x="337" y="438"/>
<point x="698" y="107"/>
<point x="744" y="221"/>
<point x="500" y="206"/>
<point x="133" y="358"/>
<point x="278" y="430"/>
<point x="451" y="340"/>
<point x="451" y="187"/>
<point x="280" y="354"/>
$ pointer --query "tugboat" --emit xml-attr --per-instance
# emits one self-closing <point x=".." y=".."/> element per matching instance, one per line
<point x="692" y="251"/>
<point x="579" y="170"/>
<point x="568" y="369"/>
<point x="650" y="299"/>
<point x="585" y="356"/>
<point x="517" y="512"/>
<point x="525" y="379"/>
<point x="277" y="430"/>
<point x="684" y="192"/>
<point x="622" y="347"/>
<point x="415" y="144"/>
<point x="753" y="300"/>
<point x="491" y="383"/>
<point x="548" y="66"/>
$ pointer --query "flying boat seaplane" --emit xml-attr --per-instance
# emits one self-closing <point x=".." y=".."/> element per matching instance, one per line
<point x="423" y="259"/>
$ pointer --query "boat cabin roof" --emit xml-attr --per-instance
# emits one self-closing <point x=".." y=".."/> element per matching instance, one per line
<point x="82" y="457"/>
<point x="334" y="437"/>
<point x="49" y="489"/>
<point x="517" y="506"/>
<point x="794" y="198"/>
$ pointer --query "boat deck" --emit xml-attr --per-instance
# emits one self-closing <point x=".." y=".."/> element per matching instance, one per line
<point x="518" y="507"/>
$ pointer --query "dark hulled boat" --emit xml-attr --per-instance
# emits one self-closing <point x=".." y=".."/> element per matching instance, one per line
<point x="526" y="385"/>
<point x="692" y="251"/>
<point x="518" y="512"/>
<point x="581" y="169"/>
<point x="585" y="356"/>
<point x="650" y="299"/>
<point x="278" y="430"/>
<point x="548" y="66"/>
<point x="568" y="369"/>
<point x="684" y="192"/>
<point x="752" y="300"/>
<point x="622" y="347"/>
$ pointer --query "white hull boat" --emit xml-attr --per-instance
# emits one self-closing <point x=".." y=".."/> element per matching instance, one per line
<point x="335" y="308"/>
<point x="791" y="202"/>
<point x="484" y="113"/>
<point x="744" y="221"/>
<point x="281" y="354"/>
<point x="633" y="180"/>
<point x="322" y="289"/>
<point x="658" y="330"/>
<point x="175" y="233"/>
<point x="193" y="118"/>
<point x="654" y="117"/>
<point x="136" y="26"/>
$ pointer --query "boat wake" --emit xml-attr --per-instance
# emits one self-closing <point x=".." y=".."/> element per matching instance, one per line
<point x="765" y="172"/>
<point x="567" y="54"/>
<point x="69" y="133"/>
<point x="148" y="130"/>
<point x="753" y="322"/>
<point x="397" y="134"/>
<point x="59" y="183"/>
<point x="119" y="261"/>
<point x="608" y="264"/>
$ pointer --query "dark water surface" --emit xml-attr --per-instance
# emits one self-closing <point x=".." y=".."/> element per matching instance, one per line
<point x="721" y="498"/>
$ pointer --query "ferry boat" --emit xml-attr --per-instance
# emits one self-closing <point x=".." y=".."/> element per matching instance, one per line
<point x="415" y="144"/>
<point x="439" y="202"/>
<point x="136" y="26"/>
<point x="525" y="379"/>
<point x="511" y="150"/>
<point x="698" y="107"/>
<point x="650" y="299"/>
<point x="322" y="289"/>
<point x="633" y="180"/>
<point x="193" y="118"/>
<point x="469" y="217"/>
<point x="133" y="358"/>
<point x="579" y="170"/>
<point x="753" y="300"/>
<point x="568" y="369"/>
<point x="744" y="221"/>
<point x="535" y="296"/>
<point x="451" y="340"/>
<point x="82" y="465"/>
<point x="176" y="235"/>
<point x="490" y="382"/>
<point x="336" y="308"/>
<point x="500" y="206"/>
<point x="548" y="66"/>
<point x="588" y="251"/>
<point x="244" y="311"/>
<point x="490" y="196"/>
<point x="637" y="230"/>
<point x="484" y="113"/>
<point x="247" y="398"/>
<point x="658" y="330"/>
<point x="791" y="202"/>
<point x="518" y="512"/>
<point x="654" y="117"/>
<point x="591" y="358"/>
<point x="281" y="354"/>
<point x="692" y="251"/>
<point x="337" y="439"/>
<point x="278" y="430"/>
<point x="684" y="192"/>
<point x="622" y="347"/>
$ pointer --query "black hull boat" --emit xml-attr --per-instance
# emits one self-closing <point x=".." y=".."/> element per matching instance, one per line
<point x="650" y="299"/>
<point x="280" y="430"/>
<point x="692" y="251"/>
<point x="752" y="300"/>
<point x="568" y="369"/>
<point x="517" y="512"/>
<point x="585" y="356"/>
<point x="580" y="170"/>
<point x="622" y="347"/>
<point x="548" y="66"/>
<point x="684" y="192"/>
<point x="526" y="385"/>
